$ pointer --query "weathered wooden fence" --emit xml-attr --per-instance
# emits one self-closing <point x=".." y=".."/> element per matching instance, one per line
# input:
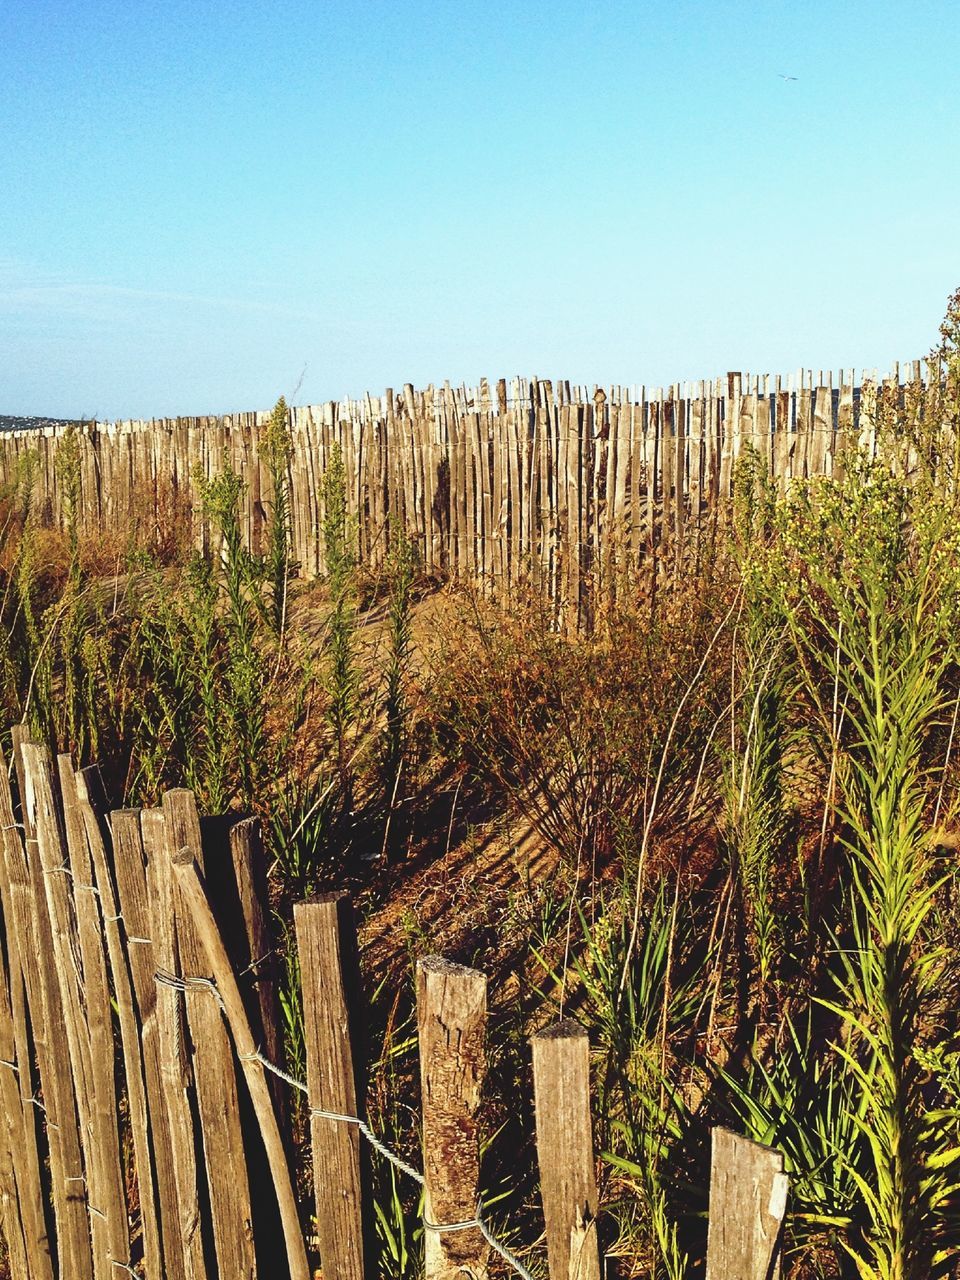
<point x="536" y="483"/>
<point x="144" y="1117"/>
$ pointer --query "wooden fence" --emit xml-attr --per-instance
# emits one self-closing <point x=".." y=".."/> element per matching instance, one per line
<point x="536" y="483"/>
<point x="144" y="1117"/>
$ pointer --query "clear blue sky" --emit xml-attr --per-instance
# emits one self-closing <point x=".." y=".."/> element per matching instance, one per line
<point x="201" y="200"/>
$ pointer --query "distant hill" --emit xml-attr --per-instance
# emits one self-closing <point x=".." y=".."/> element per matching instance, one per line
<point x="8" y="423"/>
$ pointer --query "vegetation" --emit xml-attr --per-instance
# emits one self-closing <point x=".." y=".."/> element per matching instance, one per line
<point x="742" y="787"/>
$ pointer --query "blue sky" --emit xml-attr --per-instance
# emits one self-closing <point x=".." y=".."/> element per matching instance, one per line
<point x="203" y="202"/>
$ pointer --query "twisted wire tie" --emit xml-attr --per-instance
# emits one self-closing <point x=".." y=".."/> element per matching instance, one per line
<point x="254" y="965"/>
<point x="188" y="984"/>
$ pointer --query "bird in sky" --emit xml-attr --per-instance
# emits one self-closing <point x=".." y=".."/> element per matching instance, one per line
<point x="783" y="77"/>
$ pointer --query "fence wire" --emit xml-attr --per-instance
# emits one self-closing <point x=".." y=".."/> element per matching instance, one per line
<point x="476" y="1223"/>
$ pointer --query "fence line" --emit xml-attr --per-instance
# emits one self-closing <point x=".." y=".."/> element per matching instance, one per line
<point x="538" y="483"/>
<point x="180" y="1106"/>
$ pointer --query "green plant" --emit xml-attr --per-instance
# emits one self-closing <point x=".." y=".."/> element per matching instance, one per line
<point x="343" y="681"/>
<point x="277" y="448"/>
<point x="637" y="1026"/>
<point x="246" y="672"/>
<point x="401" y="571"/>
<point x="806" y="1103"/>
<point x="869" y="578"/>
<point x="754" y="815"/>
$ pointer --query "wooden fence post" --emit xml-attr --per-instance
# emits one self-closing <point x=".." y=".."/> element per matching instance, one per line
<point x="47" y="1017"/>
<point x="55" y="908"/>
<point x="26" y="1014"/>
<point x="748" y="1199"/>
<point x="193" y="895"/>
<point x="561" y="1089"/>
<point x="133" y="902"/>
<point x="258" y="961"/>
<point x="451" y="1020"/>
<point x="105" y="1147"/>
<point x="180" y="1219"/>
<point x="326" y="944"/>
<point x="86" y="789"/>
<point x="218" y="1103"/>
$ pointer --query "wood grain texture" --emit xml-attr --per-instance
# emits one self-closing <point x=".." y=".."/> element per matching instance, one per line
<point x="180" y="1218"/>
<point x="194" y="898"/>
<point x="105" y="1149"/>
<point x="326" y="944"/>
<point x="130" y="867"/>
<point x="568" y="1186"/>
<point x="53" y="1058"/>
<point x="451" y="1023"/>
<point x="71" y="1081"/>
<point x="25" y="1007"/>
<point x="214" y="1074"/>
<point x="748" y="1199"/>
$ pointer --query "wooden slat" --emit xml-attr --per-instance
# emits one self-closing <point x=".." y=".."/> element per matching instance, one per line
<point x="194" y="897"/>
<point x="88" y="893"/>
<point x="326" y="947"/>
<point x="25" y="995"/>
<point x="73" y="1068"/>
<point x="451" y="1021"/>
<point x="748" y="1198"/>
<point x="231" y="1210"/>
<point x="171" y="1042"/>
<point x="133" y="904"/>
<point x="561" y="1082"/>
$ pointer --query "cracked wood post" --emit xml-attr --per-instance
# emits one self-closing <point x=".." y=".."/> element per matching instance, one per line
<point x="451" y="1019"/>
<point x="568" y="1185"/>
<point x="326" y="945"/>
<point x="748" y="1199"/>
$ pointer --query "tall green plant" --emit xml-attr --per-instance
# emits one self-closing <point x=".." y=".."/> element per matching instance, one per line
<point x="75" y="718"/>
<point x="401" y="570"/>
<point x="870" y="585"/>
<point x="338" y="545"/>
<point x="276" y="449"/>
<point x="753" y="794"/>
<point x="246" y="671"/>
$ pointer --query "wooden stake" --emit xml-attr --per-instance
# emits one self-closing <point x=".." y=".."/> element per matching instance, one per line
<point x="195" y="898"/>
<point x="326" y="942"/>
<point x="73" y="1068"/>
<point x="258" y="962"/>
<point x="24" y="995"/>
<point x="105" y="1149"/>
<point x="87" y="790"/>
<point x="748" y="1199"/>
<point x="47" y="1019"/>
<point x="129" y="860"/>
<point x="561" y="1088"/>
<point x="180" y="1218"/>
<point x="451" y="1020"/>
<point x="231" y="1210"/>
